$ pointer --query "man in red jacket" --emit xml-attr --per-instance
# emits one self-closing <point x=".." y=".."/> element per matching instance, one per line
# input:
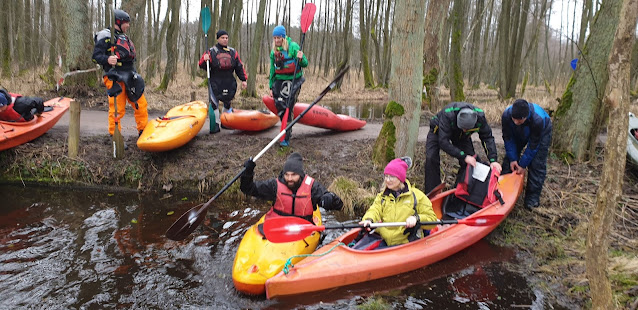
<point x="18" y="108"/>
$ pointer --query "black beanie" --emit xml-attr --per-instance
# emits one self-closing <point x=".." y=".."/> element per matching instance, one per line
<point x="520" y="109"/>
<point x="294" y="163"/>
<point x="221" y="32"/>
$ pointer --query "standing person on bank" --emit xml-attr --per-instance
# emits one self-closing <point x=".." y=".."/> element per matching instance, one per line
<point x="224" y="60"/>
<point x="451" y="131"/>
<point x="527" y="125"/>
<point x="124" y="73"/>
<point x="283" y="56"/>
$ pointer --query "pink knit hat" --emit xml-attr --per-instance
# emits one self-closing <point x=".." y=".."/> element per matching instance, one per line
<point x="397" y="167"/>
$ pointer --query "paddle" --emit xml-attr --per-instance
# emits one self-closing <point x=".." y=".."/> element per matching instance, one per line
<point x="189" y="221"/>
<point x="291" y="228"/>
<point x="213" y="104"/>
<point x="307" y="15"/>
<point x="118" y="140"/>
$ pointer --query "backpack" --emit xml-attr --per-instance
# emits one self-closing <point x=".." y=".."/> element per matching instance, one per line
<point x="472" y="194"/>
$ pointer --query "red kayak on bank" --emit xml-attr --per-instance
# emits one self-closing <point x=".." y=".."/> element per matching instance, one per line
<point x="335" y="264"/>
<point x="15" y="133"/>
<point x="320" y="116"/>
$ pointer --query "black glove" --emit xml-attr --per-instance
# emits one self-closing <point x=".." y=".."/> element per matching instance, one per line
<point x="330" y="201"/>
<point x="250" y="165"/>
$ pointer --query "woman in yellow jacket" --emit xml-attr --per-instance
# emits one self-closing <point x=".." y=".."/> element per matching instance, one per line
<point x="398" y="202"/>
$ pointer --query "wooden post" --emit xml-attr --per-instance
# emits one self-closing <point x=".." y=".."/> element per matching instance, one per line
<point x="192" y="96"/>
<point x="74" y="129"/>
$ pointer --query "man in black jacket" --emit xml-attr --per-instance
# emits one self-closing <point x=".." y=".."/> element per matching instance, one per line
<point x="451" y="131"/>
<point x="293" y="193"/>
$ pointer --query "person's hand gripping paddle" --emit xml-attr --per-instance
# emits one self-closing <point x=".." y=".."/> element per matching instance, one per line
<point x="307" y="15"/>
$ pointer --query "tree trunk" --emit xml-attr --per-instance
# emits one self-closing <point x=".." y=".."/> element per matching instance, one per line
<point x="517" y="48"/>
<point x="29" y="39"/>
<point x="5" y="51"/>
<point x="254" y="52"/>
<point x="458" y="17"/>
<point x="236" y="26"/>
<point x="476" y="44"/>
<point x="345" y="60"/>
<point x="171" y="45"/>
<point x="580" y="114"/>
<point x="364" y="47"/>
<point x="436" y="16"/>
<point x="79" y="43"/>
<point x="611" y="183"/>
<point x="398" y="136"/>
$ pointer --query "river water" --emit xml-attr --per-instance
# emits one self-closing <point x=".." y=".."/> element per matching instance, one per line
<point x="62" y="248"/>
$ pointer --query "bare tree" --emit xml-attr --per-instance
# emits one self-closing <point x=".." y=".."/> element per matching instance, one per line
<point x="611" y="182"/>
<point x="458" y="18"/>
<point x="171" y="45"/>
<point x="398" y="136"/>
<point x="580" y="114"/>
<point x="364" y="22"/>
<point x="254" y="53"/>
<point x="79" y="44"/>
<point x="345" y="60"/>
<point x="436" y="15"/>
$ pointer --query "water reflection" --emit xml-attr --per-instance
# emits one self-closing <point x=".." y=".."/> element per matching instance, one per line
<point x="61" y="248"/>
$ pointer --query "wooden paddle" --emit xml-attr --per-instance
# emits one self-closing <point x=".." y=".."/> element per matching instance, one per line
<point x="118" y="140"/>
<point x="189" y="221"/>
<point x="291" y="228"/>
<point x="307" y="15"/>
<point x="213" y="103"/>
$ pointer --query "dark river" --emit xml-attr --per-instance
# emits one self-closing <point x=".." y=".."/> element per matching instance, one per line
<point x="62" y="248"/>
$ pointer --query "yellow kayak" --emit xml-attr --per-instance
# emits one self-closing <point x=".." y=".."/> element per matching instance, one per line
<point x="257" y="259"/>
<point x="175" y="129"/>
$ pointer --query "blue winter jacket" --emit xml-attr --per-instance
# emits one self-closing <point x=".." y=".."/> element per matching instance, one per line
<point x="537" y="125"/>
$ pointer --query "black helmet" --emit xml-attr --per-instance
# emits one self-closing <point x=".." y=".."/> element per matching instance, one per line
<point x="121" y="17"/>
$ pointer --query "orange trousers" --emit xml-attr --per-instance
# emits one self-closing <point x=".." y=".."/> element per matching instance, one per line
<point x="140" y="112"/>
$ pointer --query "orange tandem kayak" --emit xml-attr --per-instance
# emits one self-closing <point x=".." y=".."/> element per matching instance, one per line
<point x="319" y="116"/>
<point x="344" y="266"/>
<point x="258" y="259"/>
<point x="249" y="120"/>
<point x="180" y="125"/>
<point x="16" y="133"/>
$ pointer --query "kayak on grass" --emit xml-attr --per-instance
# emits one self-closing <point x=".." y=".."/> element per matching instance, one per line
<point x="180" y="125"/>
<point x="249" y="120"/>
<point x="17" y="133"/>
<point x="319" y="116"/>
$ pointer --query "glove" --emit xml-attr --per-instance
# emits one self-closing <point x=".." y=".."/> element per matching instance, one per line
<point x="330" y="201"/>
<point x="250" y="165"/>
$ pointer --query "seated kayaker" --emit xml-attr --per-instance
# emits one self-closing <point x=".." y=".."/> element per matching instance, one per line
<point x="18" y="108"/>
<point x="293" y="193"/>
<point x="399" y="201"/>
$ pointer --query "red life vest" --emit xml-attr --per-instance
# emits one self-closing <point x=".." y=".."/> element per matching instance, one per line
<point x="224" y="59"/>
<point x="10" y="115"/>
<point x="298" y="205"/>
<point x="477" y="193"/>
<point x="284" y="64"/>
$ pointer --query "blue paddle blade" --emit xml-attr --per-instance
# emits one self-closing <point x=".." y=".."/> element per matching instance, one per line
<point x="205" y="17"/>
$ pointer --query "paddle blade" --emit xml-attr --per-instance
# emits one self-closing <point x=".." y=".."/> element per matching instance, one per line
<point x="307" y="15"/>
<point x="205" y="17"/>
<point x="118" y="143"/>
<point x="284" y="124"/>
<point x="485" y="220"/>
<point x="288" y="228"/>
<point x="186" y="224"/>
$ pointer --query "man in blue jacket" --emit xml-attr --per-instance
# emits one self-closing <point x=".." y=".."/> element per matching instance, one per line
<point x="527" y="124"/>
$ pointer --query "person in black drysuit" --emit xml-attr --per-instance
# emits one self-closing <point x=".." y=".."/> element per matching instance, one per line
<point x="223" y="61"/>
<point x="451" y="131"/>
<point x="527" y="125"/>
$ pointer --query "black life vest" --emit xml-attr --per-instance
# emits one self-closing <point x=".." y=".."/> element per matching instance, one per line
<point x="283" y="63"/>
<point x="225" y="59"/>
<point x="124" y="48"/>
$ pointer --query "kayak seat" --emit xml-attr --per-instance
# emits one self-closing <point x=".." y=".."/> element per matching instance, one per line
<point x="455" y="208"/>
<point x="260" y="228"/>
<point x="368" y="242"/>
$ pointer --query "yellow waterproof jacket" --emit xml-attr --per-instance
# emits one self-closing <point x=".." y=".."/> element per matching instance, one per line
<point x="387" y="208"/>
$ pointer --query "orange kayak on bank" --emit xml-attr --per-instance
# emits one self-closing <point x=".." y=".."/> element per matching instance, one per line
<point x="335" y="264"/>
<point x="249" y="120"/>
<point x="16" y="133"/>
<point x="319" y="116"/>
<point x="180" y="125"/>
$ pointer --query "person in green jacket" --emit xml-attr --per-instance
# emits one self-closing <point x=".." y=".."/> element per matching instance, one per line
<point x="398" y="202"/>
<point x="284" y="55"/>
